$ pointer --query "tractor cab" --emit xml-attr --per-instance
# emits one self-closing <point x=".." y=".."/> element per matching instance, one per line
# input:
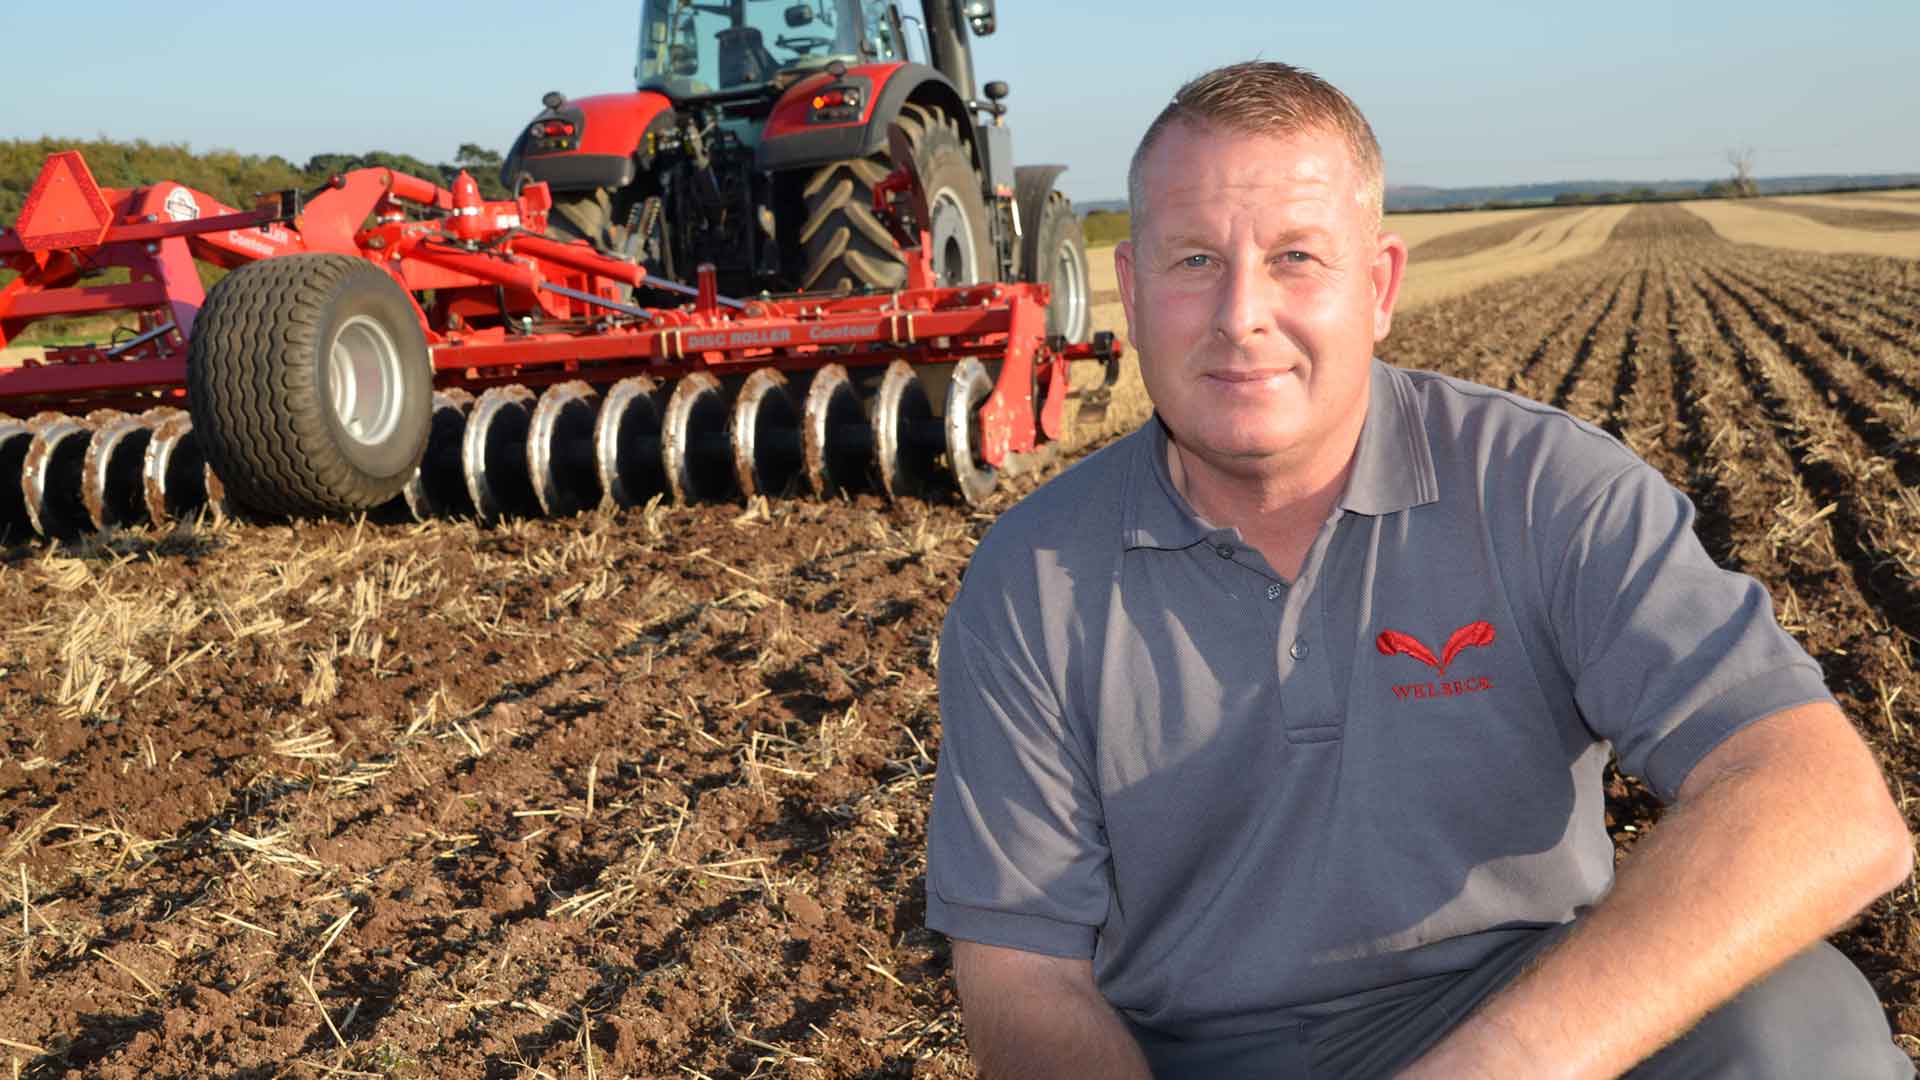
<point x="753" y="48"/>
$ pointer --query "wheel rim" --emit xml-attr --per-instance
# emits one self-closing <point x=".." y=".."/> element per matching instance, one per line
<point x="1067" y="313"/>
<point x="954" y="260"/>
<point x="364" y="380"/>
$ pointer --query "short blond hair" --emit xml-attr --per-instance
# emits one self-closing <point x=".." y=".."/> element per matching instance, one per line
<point x="1264" y="97"/>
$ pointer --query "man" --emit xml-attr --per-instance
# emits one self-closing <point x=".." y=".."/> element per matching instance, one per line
<point x="1274" y="732"/>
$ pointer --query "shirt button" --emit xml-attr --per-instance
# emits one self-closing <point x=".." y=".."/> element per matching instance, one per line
<point x="1276" y="591"/>
<point x="1299" y="649"/>
<point x="1225" y="551"/>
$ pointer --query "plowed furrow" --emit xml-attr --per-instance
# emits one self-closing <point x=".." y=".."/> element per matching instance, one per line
<point x="1536" y="371"/>
<point x="1628" y="365"/>
<point x="1883" y="421"/>
<point x="1891" y="357"/>
<point x="1875" y="289"/>
<point x="1484" y="334"/>
<point x="1590" y="387"/>
<point x="1833" y="464"/>
<point x="1643" y="410"/>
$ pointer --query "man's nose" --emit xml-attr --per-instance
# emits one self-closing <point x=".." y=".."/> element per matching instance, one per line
<point x="1244" y="308"/>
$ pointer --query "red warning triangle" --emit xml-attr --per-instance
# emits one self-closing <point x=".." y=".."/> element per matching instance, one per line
<point x="65" y="208"/>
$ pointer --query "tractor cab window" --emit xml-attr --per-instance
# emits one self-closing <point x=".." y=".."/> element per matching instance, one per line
<point x="882" y="44"/>
<point x="688" y="48"/>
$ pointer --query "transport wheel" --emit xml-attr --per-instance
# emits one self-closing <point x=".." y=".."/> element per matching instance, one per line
<point x="309" y="384"/>
<point x="966" y="392"/>
<point x="1063" y="265"/>
<point x="846" y="246"/>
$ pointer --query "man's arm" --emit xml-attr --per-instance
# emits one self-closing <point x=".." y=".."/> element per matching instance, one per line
<point x="1780" y="834"/>
<point x="1031" y="1015"/>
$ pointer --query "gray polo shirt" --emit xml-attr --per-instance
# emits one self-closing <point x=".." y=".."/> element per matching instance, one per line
<point x="1250" y="800"/>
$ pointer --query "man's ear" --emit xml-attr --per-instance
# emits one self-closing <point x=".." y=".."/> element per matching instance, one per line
<point x="1388" y="269"/>
<point x="1123" y="270"/>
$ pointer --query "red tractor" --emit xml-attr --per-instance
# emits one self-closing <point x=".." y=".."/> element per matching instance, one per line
<point x="758" y="131"/>
<point x="774" y="268"/>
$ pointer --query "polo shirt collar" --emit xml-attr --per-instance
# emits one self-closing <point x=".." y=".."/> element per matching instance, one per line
<point x="1392" y="470"/>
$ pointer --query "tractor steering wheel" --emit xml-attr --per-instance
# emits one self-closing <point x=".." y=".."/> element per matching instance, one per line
<point x="804" y="44"/>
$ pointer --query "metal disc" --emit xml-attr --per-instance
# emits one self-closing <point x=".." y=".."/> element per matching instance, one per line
<point x="695" y="451"/>
<point x="966" y="392"/>
<point x="111" y="487"/>
<point x="560" y="458"/>
<point x="493" y="453"/>
<point x="765" y="431"/>
<point x="15" y="525"/>
<point x="50" y="476"/>
<point x="902" y="418"/>
<point x="175" y="478"/>
<point x="836" y="436"/>
<point x="438" y="487"/>
<point x="626" y="442"/>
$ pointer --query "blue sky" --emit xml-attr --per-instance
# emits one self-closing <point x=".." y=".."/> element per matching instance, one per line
<point x="1470" y="92"/>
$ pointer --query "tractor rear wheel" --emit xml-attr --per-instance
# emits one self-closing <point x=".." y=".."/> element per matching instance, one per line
<point x="639" y="236"/>
<point x="309" y="384"/>
<point x="587" y="215"/>
<point x="1062" y="258"/>
<point x="846" y="246"/>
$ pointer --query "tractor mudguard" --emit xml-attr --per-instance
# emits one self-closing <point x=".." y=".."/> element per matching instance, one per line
<point x="791" y="142"/>
<point x="1031" y="186"/>
<point x="605" y="148"/>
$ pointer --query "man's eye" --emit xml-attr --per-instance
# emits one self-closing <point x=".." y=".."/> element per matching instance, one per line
<point x="1196" y="262"/>
<point x="1296" y="258"/>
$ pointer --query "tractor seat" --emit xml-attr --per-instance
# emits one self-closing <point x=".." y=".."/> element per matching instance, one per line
<point x="744" y="59"/>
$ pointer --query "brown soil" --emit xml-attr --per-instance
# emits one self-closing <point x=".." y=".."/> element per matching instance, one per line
<point x="1472" y="241"/>
<point x="1872" y="219"/>
<point x="645" y="794"/>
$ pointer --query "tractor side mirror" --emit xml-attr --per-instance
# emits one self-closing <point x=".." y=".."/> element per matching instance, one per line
<point x="799" y="15"/>
<point x="995" y="90"/>
<point x="979" y="15"/>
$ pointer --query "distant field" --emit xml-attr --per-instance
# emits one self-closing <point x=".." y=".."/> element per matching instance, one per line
<point x="1786" y="223"/>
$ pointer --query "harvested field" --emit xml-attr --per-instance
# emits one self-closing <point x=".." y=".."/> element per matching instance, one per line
<point x="1471" y="241"/>
<point x="644" y="794"/>
<point x="1747" y="221"/>
<point x="1846" y="215"/>
<point x="1534" y="249"/>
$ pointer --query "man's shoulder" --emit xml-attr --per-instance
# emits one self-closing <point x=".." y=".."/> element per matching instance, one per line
<point x="1478" y="427"/>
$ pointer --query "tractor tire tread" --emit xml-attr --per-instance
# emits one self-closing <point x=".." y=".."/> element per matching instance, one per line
<point x="258" y="402"/>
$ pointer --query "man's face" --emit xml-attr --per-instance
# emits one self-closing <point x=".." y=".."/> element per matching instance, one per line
<point x="1255" y="291"/>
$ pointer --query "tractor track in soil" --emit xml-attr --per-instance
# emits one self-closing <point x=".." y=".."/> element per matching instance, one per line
<point x="647" y="791"/>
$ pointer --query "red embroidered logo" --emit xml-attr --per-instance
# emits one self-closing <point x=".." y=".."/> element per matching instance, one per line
<point x="1473" y="635"/>
<point x="1470" y="636"/>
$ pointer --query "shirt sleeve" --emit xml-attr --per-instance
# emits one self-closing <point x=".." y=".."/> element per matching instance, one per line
<point x="1670" y="652"/>
<point x="1016" y="853"/>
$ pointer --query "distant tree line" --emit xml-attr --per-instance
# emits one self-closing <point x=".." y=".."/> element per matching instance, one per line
<point x="233" y="178"/>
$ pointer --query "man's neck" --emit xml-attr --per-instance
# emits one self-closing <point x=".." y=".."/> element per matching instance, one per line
<point x="1278" y="509"/>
